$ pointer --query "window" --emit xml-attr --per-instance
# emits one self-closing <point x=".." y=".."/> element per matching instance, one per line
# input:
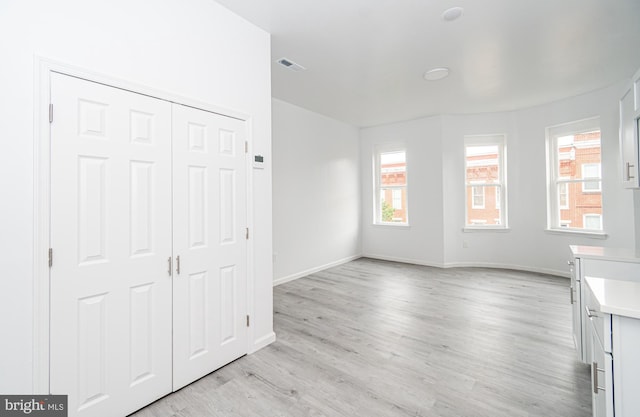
<point x="477" y="197"/>
<point x="574" y="176"/>
<point x="563" y="197"/>
<point x="592" y="222"/>
<point x="591" y="171"/>
<point x="485" y="165"/>
<point x="396" y="195"/>
<point x="391" y="187"/>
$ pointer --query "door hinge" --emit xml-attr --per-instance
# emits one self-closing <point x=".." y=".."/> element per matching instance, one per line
<point x="50" y="257"/>
<point x="50" y="112"/>
<point x="248" y="320"/>
<point x="246" y="147"/>
<point x="247" y="236"/>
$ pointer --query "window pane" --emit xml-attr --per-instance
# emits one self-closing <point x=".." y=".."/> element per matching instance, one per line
<point x="487" y="213"/>
<point x="393" y="168"/>
<point x="579" y="204"/>
<point x="578" y="155"/>
<point x="576" y="195"/>
<point x="482" y="163"/>
<point x="393" y="205"/>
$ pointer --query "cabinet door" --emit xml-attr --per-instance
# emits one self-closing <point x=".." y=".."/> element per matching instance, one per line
<point x="628" y="142"/>
<point x="576" y="309"/>
<point x="601" y="379"/>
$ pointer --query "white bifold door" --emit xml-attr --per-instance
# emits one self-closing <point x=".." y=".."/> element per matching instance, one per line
<point x="148" y="218"/>
<point x="209" y="235"/>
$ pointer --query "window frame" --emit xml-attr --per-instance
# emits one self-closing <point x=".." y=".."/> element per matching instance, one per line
<point x="499" y="140"/>
<point x="378" y="188"/>
<point x="553" y="133"/>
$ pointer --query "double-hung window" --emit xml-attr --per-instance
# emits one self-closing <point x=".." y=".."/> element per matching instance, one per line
<point x="485" y="168"/>
<point x="574" y="176"/>
<point x="391" y="187"/>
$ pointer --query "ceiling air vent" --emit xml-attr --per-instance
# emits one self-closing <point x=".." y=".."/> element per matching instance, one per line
<point x="287" y="63"/>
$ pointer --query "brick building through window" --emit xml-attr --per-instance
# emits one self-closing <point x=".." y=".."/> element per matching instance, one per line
<point x="393" y="187"/>
<point x="579" y="182"/>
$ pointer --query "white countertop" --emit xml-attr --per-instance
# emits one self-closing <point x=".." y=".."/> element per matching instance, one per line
<point x="601" y="252"/>
<point x="615" y="296"/>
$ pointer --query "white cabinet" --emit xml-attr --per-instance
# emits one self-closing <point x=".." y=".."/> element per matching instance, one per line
<point x="629" y="114"/>
<point x="613" y="310"/>
<point x="595" y="261"/>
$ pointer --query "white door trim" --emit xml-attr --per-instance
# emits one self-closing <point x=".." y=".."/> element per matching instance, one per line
<point x="41" y="209"/>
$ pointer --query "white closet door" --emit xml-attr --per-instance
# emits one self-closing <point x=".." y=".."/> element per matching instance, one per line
<point x="209" y="188"/>
<point x="111" y="239"/>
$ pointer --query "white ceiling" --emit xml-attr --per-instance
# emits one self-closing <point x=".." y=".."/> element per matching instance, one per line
<point x="365" y="59"/>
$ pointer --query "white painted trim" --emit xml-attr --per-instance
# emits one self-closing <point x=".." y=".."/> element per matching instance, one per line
<point x="306" y="272"/>
<point x="262" y="342"/>
<point x="41" y="226"/>
<point x="97" y="77"/>
<point x="42" y="97"/>
<point x="448" y="265"/>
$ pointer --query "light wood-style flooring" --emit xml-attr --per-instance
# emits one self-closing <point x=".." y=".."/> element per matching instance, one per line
<point x="374" y="338"/>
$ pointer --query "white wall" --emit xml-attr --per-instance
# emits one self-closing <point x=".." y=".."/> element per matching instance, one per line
<point x="436" y="156"/>
<point x="421" y="241"/>
<point x="193" y="48"/>
<point x="316" y="192"/>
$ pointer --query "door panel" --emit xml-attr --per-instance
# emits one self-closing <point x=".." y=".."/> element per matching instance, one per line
<point x="209" y="183"/>
<point x="111" y="239"/>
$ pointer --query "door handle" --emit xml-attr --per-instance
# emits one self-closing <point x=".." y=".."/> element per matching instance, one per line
<point x="178" y="264"/>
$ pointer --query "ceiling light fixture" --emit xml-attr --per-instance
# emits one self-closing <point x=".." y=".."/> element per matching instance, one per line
<point x="287" y="63"/>
<point x="436" y="74"/>
<point x="452" y="14"/>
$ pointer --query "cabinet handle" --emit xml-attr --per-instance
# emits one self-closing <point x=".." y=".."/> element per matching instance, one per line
<point x="629" y="166"/>
<point x="169" y="262"/>
<point x="571" y="295"/>
<point x="178" y="264"/>
<point x="590" y="313"/>
<point x="594" y="375"/>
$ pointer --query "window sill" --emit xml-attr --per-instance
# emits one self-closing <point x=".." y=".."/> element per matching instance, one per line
<point x="486" y="229"/>
<point x="592" y="235"/>
<point x="392" y="225"/>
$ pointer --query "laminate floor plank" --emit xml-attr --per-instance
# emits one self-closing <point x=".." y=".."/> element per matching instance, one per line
<point x="376" y="338"/>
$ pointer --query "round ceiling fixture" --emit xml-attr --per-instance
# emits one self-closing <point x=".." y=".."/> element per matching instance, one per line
<point x="436" y="74"/>
<point x="452" y="14"/>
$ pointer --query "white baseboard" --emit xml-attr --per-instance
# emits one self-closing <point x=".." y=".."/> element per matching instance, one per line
<point x="263" y="342"/>
<point x="403" y="260"/>
<point x="537" y="270"/>
<point x="548" y="271"/>
<point x="310" y="271"/>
